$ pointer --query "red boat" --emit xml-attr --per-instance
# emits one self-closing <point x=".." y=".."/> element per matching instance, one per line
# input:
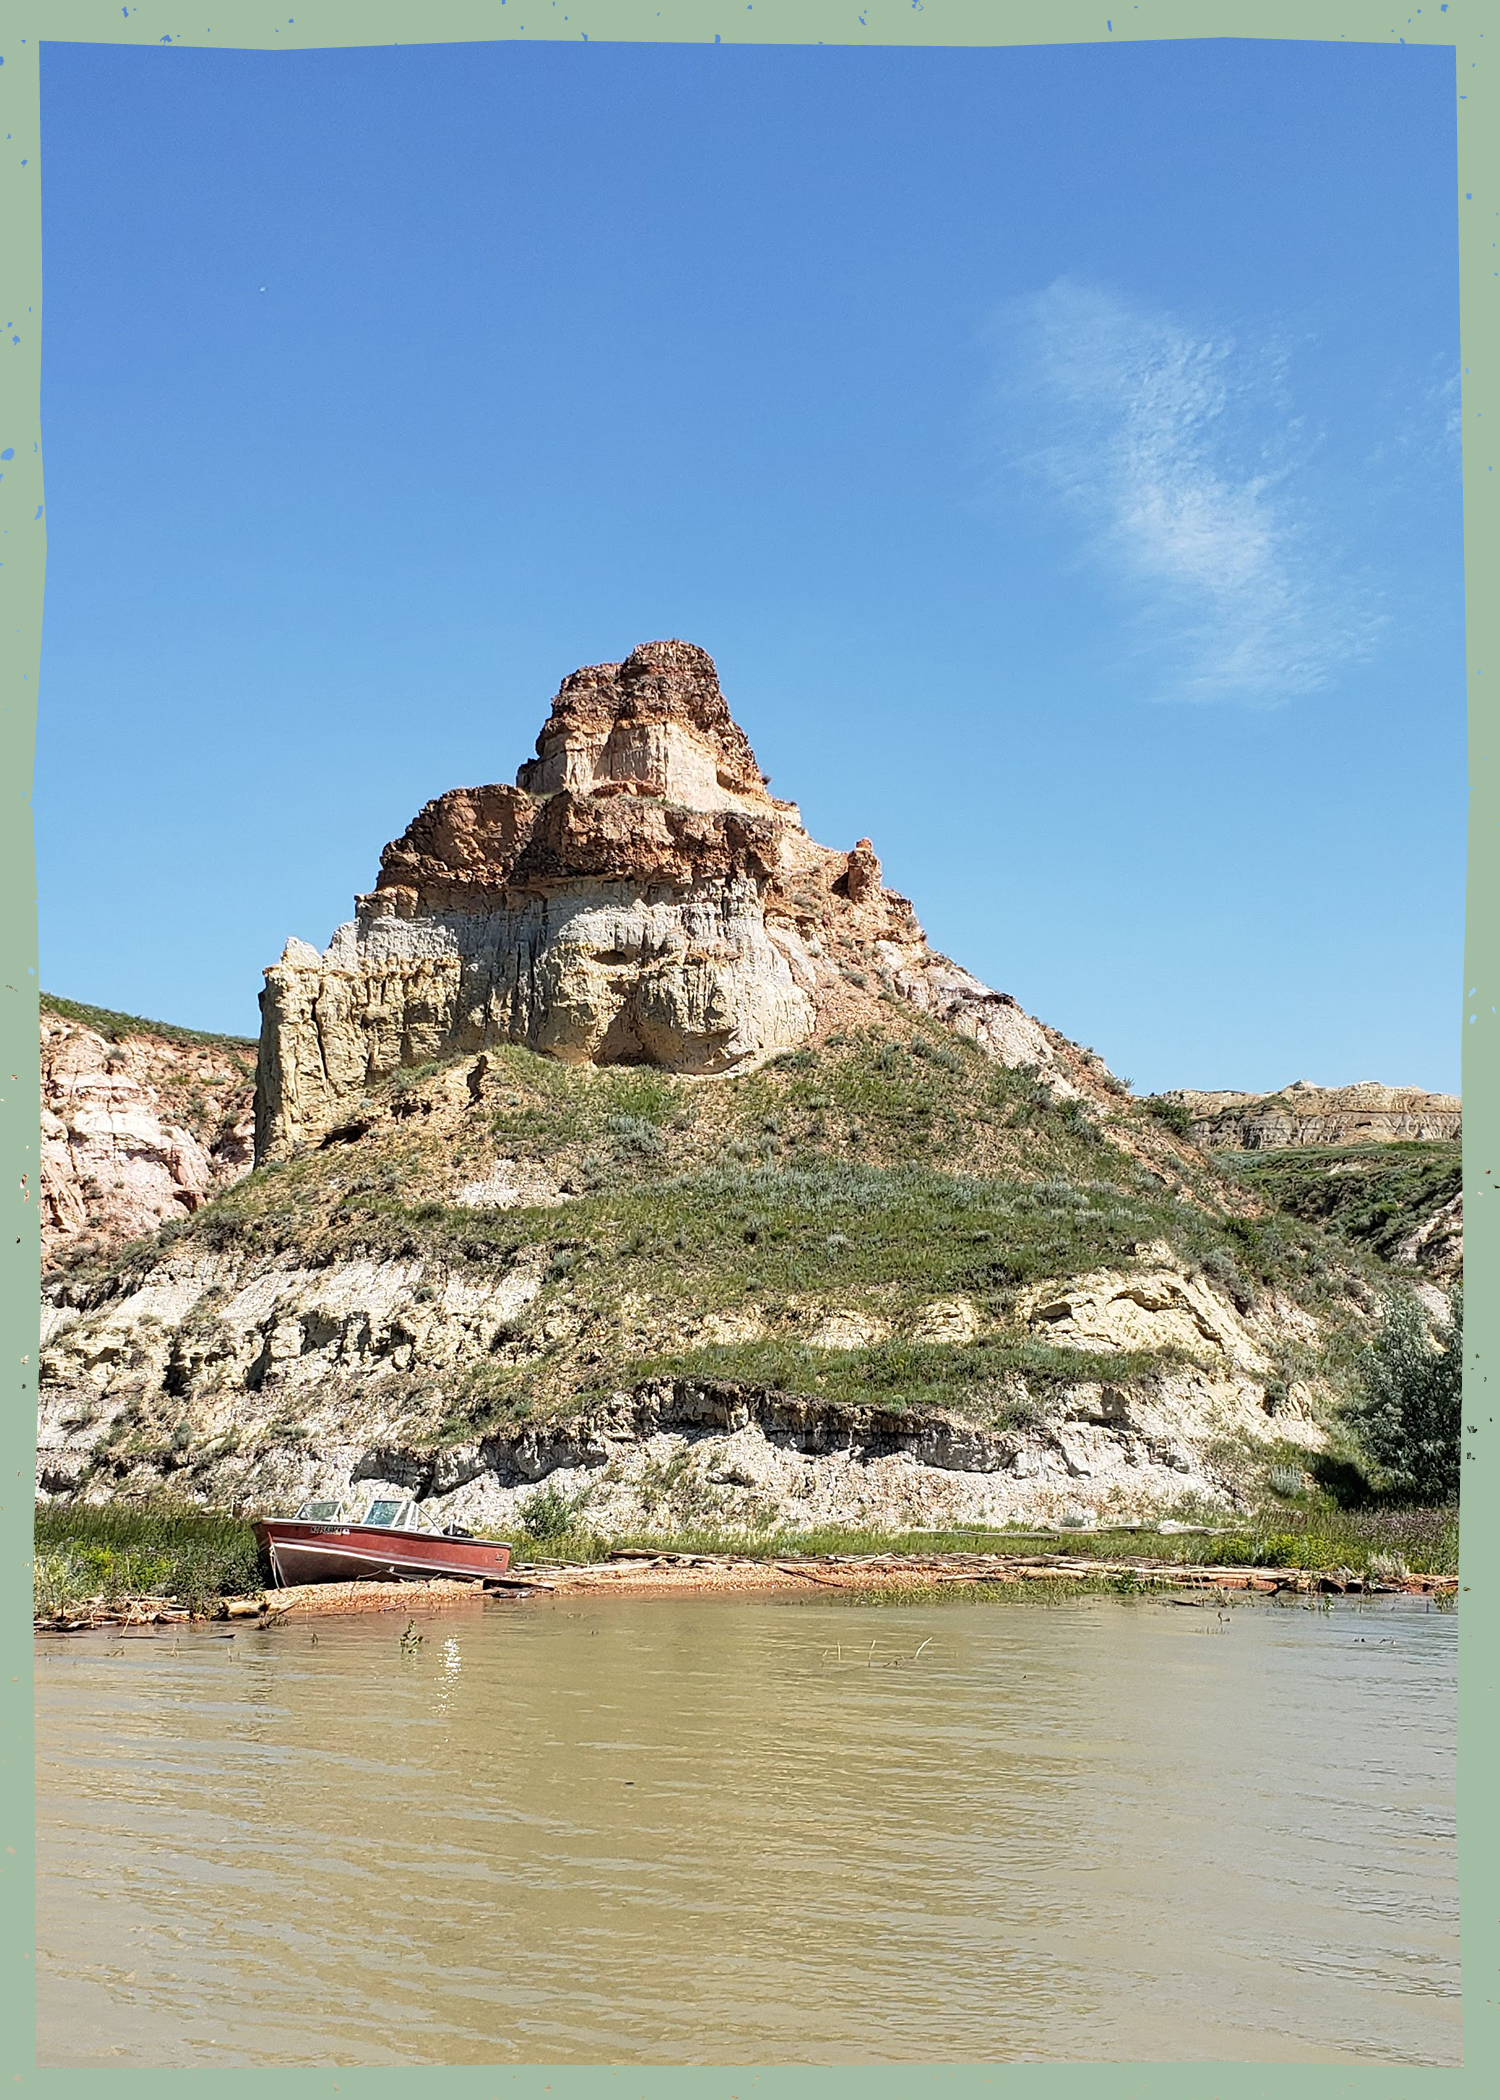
<point x="321" y="1544"/>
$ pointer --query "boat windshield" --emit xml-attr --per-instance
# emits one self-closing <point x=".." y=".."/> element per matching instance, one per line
<point x="319" y="1512"/>
<point x="392" y="1513"/>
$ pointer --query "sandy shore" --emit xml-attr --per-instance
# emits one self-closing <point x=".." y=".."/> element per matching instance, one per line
<point x="643" y="1575"/>
<point x="673" y="1573"/>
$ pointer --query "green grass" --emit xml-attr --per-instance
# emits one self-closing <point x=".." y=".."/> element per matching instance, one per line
<point x="84" y="1553"/>
<point x="862" y="1163"/>
<point x="874" y="1174"/>
<point x="1318" y="1537"/>
<point x="979" y="1378"/>
<point x="769" y="1209"/>
<point x="585" y="1547"/>
<point x="1372" y="1195"/>
<point x="1321" y="1536"/>
<point x="115" y="1026"/>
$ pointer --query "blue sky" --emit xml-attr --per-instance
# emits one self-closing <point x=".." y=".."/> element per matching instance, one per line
<point x="1056" y="449"/>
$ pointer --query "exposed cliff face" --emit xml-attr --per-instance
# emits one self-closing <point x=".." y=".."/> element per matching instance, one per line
<point x="936" y="1288"/>
<point x="258" y="1384"/>
<point x="138" y="1128"/>
<point x="630" y="1139"/>
<point x="637" y="898"/>
<point x="1303" y="1114"/>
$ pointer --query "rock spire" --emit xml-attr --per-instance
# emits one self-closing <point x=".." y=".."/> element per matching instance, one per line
<point x="638" y="896"/>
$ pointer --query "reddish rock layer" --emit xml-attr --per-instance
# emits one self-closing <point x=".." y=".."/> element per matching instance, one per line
<point x="659" y="682"/>
<point x="476" y="848"/>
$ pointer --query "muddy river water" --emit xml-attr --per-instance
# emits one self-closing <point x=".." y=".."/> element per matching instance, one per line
<point x="754" y="1830"/>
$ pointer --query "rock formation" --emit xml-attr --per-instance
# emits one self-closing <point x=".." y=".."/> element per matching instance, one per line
<point x="1333" y="1153"/>
<point x="1435" y="1245"/>
<point x="637" y="897"/>
<point x="882" y="1279"/>
<point x="135" y="1131"/>
<point x="1303" y="1114"/>
<point x="296" y="1378"/>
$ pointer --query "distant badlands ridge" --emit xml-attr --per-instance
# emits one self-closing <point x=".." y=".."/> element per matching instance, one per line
<point x="638" y="896"/>
<point x="1303" y="1114"/>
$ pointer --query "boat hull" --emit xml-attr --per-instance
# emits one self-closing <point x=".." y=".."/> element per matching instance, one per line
<point x="299" y="1552"/>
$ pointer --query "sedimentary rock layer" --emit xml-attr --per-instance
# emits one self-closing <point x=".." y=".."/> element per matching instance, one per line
<point x="637" y="897"/>
<point x="1303" y="1114"/>
<point x="135" y="1131"/>
<point x="241" y="1380"/>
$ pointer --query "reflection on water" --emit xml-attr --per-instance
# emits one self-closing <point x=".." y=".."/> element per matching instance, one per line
<point x="754" y="1831"/>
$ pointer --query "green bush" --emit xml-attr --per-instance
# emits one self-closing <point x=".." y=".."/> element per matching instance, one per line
<point x="637" y="1134"/>
<point x="549" y="1514"/>
<point x="1175" y="1114"/>
<point x="1408" y="1414"/>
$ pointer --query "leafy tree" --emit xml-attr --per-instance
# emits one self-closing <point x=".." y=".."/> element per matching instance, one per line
<point x="1408" y="1415"/>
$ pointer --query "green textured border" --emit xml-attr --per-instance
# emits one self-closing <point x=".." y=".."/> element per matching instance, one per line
<point x="323" y="23"/>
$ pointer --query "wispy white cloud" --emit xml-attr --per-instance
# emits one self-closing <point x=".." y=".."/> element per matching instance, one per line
<point x="1181" y="458"/>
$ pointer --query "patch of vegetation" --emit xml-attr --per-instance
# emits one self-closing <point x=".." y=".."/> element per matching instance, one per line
<point x="1325" y="1536"/>
<point x="1175" y="1114"/>
<point x="1318" y="1537"/>
<point x="1408" y="1412"/>
<point x="1372" y="1195"/>
<point x="84" y="1554"/>
<point x="982" y="1379"/>
<point x="549" y="1516"/>
<point x="115" y="1027"/>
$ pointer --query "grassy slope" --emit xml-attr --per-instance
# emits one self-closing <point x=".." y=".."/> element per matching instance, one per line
<point x="115" y="1027"/>
<point x="879" y="1173"/>
<point x="1374" y="1195"/>
<point x="882" y="1171"/>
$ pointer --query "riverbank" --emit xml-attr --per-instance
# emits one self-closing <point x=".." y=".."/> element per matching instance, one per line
<point x="639" y="1573"/>
<point x="123" y="1564"/>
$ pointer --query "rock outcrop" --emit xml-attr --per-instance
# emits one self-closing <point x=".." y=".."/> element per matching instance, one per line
<point x="136" y="1131"/>
<point x="242" y="1382"/>
<point x="1302" y="1114"/>
<point x="1435" y="1244"/>
<point x="638" y="896"/>
<point x="624" y="1140"/>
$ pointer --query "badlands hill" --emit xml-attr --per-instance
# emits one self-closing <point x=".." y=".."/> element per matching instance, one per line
<point x="1382" y="1164"/>
<point x="141" y="1124"/>
<point x="1303" y="1114"/>
<point x="630" y="1142"/>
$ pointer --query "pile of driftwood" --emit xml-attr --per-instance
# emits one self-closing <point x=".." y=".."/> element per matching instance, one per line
<point x="119" y="1611"/>
<point x="839" y="1570"/>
